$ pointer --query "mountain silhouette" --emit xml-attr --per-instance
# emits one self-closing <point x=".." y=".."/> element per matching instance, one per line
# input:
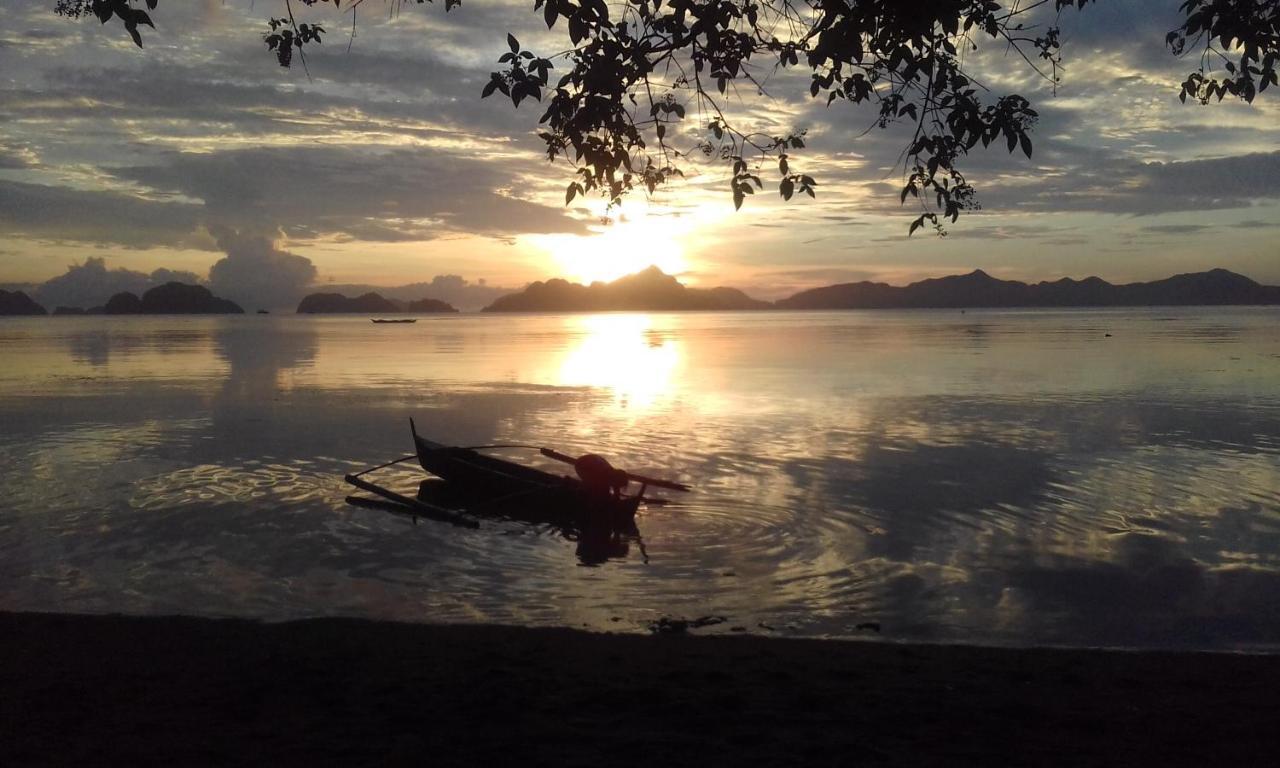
<point x="19" y="303"/>
<point x="978" y="289"/>
<point x="649" y="289"/>
<point x="171" y="299"/>
<point x="369" y="303"/>
<point x="466" y="295"/>
<point x="653" y="290"/>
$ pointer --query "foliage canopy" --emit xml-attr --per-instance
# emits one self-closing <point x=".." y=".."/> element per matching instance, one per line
<point x="646" y="84"/>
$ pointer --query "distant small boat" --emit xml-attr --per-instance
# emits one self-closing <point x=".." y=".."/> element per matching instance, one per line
<point x="263" y="312"/>
<point x="405" y="320"/>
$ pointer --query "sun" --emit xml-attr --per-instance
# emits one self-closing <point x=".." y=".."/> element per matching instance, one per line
<point x="626" y="245"/>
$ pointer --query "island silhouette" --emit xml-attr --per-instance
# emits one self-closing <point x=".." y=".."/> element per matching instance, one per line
<point x="369" y="303"/>
<point x="978" y="289"/>
<point x="653" y="290"/>
<point x="19" y="303"/>
<point x="648" y="289"/>
<point x="172" y="299"/>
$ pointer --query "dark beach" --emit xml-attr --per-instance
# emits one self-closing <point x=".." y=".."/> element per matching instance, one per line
<point x="186" y="691"/>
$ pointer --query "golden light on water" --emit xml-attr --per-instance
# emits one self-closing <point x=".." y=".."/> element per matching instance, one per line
<point x="627" y="354"/>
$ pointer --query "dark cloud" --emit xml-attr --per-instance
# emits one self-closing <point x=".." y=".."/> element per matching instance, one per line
<point x="203" y="100"/>
<point x="1115" y="186"/>
<point x="1175" y="229"/>
<point x="80" y="101"/>
<point x="10" y="159"/>
<point x="1004" y="232"/>
<point x="306" y="191"/>
<point x="61" y="213"/>
<point x="1128" y="187"/>
<point x="381" y="196"/>
<point x="46" y="34"/>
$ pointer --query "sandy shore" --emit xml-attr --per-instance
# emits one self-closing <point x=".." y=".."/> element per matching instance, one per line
<point x="182" y="691"/>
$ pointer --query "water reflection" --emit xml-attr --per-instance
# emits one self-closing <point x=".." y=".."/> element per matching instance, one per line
<point x="630" y="355"/>
<point x="259" y="370"/>
<point x="1001" y="477"/>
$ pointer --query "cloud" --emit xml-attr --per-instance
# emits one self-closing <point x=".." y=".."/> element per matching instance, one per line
<point x="13" y="159"/>
<point x="387" y="141"/>
<point x="1175" y="229"/>
<point x="255" y="273"/>
<point x="364" y="195"/>
<point x="60" y="213"/>
<point x="92" y="283"/>
<point x="1128" y="187"/>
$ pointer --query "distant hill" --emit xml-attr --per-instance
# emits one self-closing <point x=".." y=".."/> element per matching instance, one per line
<point x="978" y="289"/>
<point x="19" y="303"/>
<point x="464" y="294"/>
<point x="649" y="289"/>
<point x="429" y="305"/>
<point x="170" y="299"/>
<point x="369" y="303"/>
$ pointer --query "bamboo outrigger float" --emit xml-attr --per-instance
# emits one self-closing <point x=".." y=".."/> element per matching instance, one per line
<point x="470" y="484"/>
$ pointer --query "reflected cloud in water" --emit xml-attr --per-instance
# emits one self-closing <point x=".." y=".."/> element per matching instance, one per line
<point x="1008" y="477"/>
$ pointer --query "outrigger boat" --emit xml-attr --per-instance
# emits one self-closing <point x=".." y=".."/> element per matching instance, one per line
<point x="403" y="320"/>
<point x="470" y="483"/>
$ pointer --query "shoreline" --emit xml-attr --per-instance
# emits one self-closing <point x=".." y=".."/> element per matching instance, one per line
<point x="82" y="689"/>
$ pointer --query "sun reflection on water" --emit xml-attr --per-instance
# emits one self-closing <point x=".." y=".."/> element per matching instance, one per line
<point x="628" y="354"/>
<point x="893" y="467"/>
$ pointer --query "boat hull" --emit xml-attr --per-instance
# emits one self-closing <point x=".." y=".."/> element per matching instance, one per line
<point x="480" y="483"/>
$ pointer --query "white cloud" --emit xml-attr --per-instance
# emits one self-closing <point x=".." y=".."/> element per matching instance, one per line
<point x="92" y="283"/>
<point x="255" y="273"/>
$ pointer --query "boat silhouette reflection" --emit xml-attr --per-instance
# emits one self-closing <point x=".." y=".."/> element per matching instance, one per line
<point x="597" y="539"/>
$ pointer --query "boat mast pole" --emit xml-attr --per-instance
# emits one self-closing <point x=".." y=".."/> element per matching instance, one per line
<point x="389" y="463"/>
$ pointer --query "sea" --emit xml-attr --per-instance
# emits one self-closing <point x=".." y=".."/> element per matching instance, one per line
<point x="1072" y="478"/>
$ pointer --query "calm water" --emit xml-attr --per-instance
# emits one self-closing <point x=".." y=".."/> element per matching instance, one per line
<point x="996" y="477"/>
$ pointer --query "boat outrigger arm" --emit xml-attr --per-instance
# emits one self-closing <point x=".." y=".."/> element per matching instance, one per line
<point x="417" y="507"/>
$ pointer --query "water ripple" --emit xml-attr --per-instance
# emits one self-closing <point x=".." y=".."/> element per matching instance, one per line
<point x="1001" y="477"/>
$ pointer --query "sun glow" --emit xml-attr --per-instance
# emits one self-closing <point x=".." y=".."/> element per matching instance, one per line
<point x="628" y="244"/>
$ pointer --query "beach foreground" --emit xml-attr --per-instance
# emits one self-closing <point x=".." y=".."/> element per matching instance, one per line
<point x="110" y="689"/>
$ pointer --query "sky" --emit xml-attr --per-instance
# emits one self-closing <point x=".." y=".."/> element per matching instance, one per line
<point x="200" y="157"/>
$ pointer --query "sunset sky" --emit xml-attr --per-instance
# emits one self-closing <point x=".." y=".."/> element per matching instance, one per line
<point x="387" y="167"/>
